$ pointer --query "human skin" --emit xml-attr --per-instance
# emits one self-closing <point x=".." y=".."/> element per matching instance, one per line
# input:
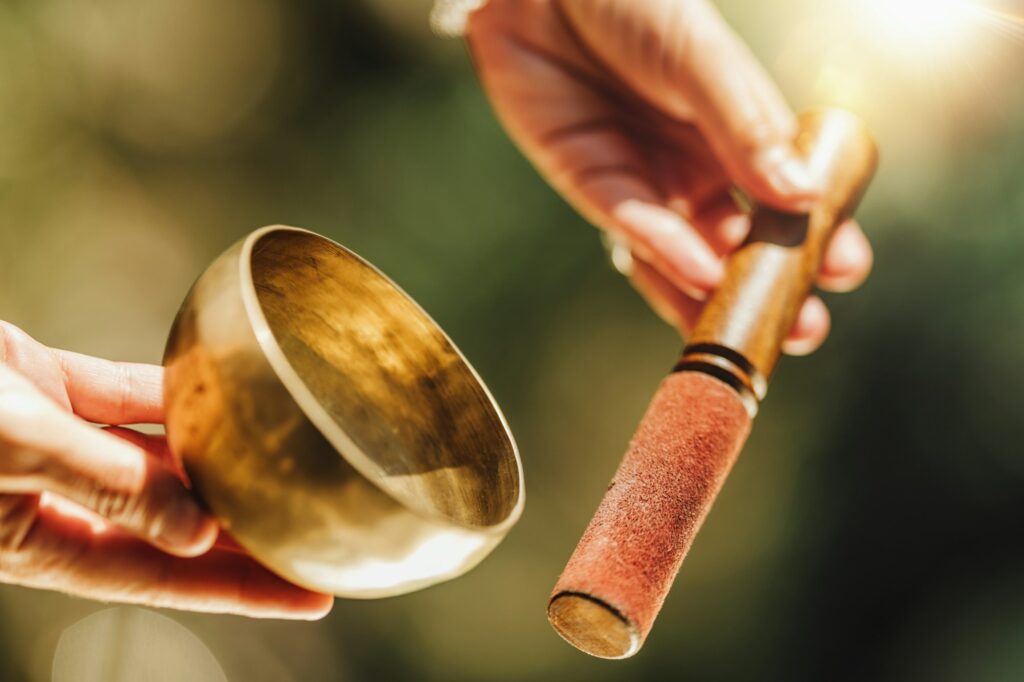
<point x="104" y="513"/>
<point x="644" y="114"/>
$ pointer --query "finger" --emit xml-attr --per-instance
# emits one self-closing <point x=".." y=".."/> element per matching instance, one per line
<point x="28" y="357"/>
<point x="811" y="328"/>
<point x="663" y="238"/>
<point x="108" y="392"/>
<point x="682" y="57"/>
<point x="154" y="444"/>
<point x="64" y="507"/>
<point x="571" y="131"/>
<point x="671" y="304"/>
<point x="808" y="333"/>
<point x="749" y="125"/>
<point x="227" y="543"/>
<point x="848" y="259"/>
<point x="45" y="448"/>
<point x="65" y="554"/>
<point x="723" y="224"/>
<point x="98" y="390"/>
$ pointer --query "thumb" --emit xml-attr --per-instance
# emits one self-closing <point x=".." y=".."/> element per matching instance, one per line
<point x="681" y="57"/>
<point x="45" y="448"/>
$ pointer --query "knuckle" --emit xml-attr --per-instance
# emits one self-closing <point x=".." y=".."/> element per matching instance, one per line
<point x="125" y="391"/>
<point x="755" y="134"/>
<point x="12" y="338"/>
<point x="17" y="517"/>
<point x="21" y="466"/>
<point x="693" y="42"/>
<point x="686" y="46"/>
<point x="116" y="505"/>
<point x="7" y="332"/>
<point x="48" y="565"/>
<point x="133" y="511"/>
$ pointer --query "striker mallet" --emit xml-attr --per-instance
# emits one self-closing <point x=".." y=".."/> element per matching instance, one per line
<point x="609" y="594"/>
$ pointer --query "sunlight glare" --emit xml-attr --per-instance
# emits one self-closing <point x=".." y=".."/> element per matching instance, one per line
<point x="920" y="30"/>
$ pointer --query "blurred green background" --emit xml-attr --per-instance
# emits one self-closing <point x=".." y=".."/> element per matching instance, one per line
<point x="874" y="526"/>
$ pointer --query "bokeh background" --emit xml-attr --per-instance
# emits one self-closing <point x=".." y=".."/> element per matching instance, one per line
<point x="874" y="526"/>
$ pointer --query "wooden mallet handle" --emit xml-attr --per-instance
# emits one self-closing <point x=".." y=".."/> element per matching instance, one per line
<point x="606" y="600"/>
<point x="742" y="328"/>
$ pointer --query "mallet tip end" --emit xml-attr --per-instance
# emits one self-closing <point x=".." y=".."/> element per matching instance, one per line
<point x="592" y="626"/>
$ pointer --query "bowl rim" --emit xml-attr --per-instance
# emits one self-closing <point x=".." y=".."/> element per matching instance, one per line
<point x="322" y="421"/>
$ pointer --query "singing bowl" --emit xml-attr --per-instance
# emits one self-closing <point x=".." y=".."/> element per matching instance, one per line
<point x="331" y="426"/>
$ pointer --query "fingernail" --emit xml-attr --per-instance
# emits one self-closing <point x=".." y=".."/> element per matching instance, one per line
<point x="692" y="266"/>
<point x="711" y="267"/>
<point x="183" y="524"/>
<point x="694" y="260"/>
<point x="844" y="253"/>
<point x="672" y="245"/>
<point x="799" y="347"/>
<point x="320" y="612"/>
<point x="786" y="170"/>
<point x="620" y="253"/>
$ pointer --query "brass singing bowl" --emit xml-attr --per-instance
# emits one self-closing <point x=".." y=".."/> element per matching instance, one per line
<point x="331" y="426"/>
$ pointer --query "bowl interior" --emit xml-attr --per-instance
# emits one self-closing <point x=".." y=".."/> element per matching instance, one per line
<point x="395" y="397"/>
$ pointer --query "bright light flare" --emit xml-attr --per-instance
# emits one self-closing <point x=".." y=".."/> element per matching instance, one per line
<point x="921" y="31"/>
